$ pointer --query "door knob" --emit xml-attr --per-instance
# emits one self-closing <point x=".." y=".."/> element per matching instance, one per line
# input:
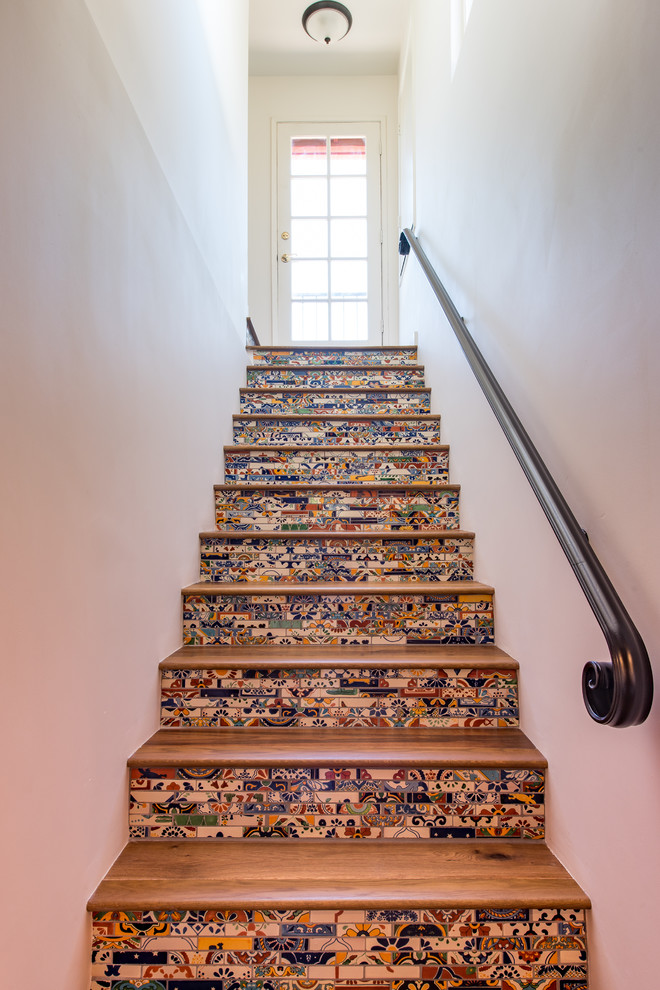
<point x="286" y="258"/>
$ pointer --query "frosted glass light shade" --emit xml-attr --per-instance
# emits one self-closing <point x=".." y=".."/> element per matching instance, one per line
<point x="327" y="21"/>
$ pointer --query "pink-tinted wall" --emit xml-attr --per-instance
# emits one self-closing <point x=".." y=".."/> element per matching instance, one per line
<point x="532" y="177"/>
<point x="122" y="308"/>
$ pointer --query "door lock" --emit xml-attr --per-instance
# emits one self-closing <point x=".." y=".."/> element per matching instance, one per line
<point x="285" y="235"/>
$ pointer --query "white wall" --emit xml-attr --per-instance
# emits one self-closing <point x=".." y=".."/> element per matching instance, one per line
<point x="124" y="142"/>
<point x="536" y="196"/>
<point x="314" y="98"/>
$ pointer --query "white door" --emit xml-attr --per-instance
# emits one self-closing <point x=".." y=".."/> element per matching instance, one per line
<point x="329" y="258"/>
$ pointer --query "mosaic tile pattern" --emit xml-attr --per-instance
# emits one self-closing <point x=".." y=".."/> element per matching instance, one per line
<point x="339" y="377"/>
<point x="310" y="431"/>
<point x="360" y="403"/>
<point x="430" y="697"/>
<point x="326" y="466"/>
<point x="295" y="558"/>
<point x="329" y="355"/>
<point x="349" y="509"/>
<point x="351" y="619"/>
<point x="523" y="949"/>
<point x="335" y="803"/>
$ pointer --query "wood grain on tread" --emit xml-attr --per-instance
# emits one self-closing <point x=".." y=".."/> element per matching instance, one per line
<point x="341" y="588"/>
<point x="348" y="368"/>
<point x="336" y="534"/>
<point x="342" y="486"/>
<point x="311" y="747"/>
<point x="333" y="347"/>
<point x="345" y="417"/>
<point x="336" y="448"/>
<point x="319" y="873"/>
<point x="300" y="657"/>
<point x="330" y="655"/>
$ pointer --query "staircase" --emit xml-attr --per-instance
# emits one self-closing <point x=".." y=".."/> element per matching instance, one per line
<point x="338" y="682"/>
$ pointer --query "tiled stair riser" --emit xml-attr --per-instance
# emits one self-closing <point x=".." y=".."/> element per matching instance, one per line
<point x="342" y="697"/>
<point x="423" y="949"/>
<point x="332" y="559"/>
<point x="322" y="466"/>
<point x="348" y="509"/>
<point x="336" y="802"/>
<point x="360" y="620"/>
<point x="401" y="401"/>
<point x="307" y="357"/>
<point x="339" y="377"/>
<point x="318" y="432"/>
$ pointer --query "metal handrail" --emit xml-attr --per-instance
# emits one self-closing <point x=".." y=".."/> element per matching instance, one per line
<point x="617" y="693"/>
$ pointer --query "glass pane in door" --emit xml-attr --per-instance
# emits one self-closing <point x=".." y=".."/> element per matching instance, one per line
<point x="308" y="156"/>
<point x="348" y="156"/>
<point x="348" y="238"/>
<point x="310" y="237"/>
<point x="309" y="197"/>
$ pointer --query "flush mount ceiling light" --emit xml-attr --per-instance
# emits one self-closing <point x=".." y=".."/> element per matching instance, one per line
<point x="327" y="21"/>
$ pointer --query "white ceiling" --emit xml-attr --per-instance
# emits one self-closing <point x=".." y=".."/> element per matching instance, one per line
<point x="280" y="47"/>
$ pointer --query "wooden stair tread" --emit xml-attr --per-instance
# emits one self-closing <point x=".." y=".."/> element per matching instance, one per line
<point x="421" y="487"/>
<point x="301" y="348"/>
<point x="345" y="417"/>
<point x="336" y="448"/>
<point x="340" y="588"/>
<point x="338" y="534"/>
<point x="301" y="657"/>
<point x="312" y="389"/>
<point x="312" y="747"/>
<point x="350" y="368"/>
<point x="391" y="873"/>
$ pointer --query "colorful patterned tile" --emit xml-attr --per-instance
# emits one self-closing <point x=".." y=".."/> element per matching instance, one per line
<point x="346" y="356"/>
<point x="435" y="698"/>
<point x="349" y="509"/>
<point x="325" y="950"/>
<point x="338" y="377"/>
<point x="309" y="402"/>
<point x="331" y="802"/>
<point x="328" y="431"/>
<point x="349" y="619"/>
<point x="327" y="465"/>
<point x="294" y="558"/>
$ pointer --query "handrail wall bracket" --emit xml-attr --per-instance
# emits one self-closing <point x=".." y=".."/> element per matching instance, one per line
<point x="618" y="693"/>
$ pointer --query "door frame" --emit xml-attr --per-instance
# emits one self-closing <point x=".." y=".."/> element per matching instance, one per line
<point x="388" y="321"/>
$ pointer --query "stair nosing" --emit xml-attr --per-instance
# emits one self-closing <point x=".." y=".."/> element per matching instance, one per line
<point x="234" y="873"/>
<point x="213" y="657"/>
<point x="361" y="535"/>
<point x="340" y="486"/>
<point x="308" y="588"/>
<point x="297" y="417"/>
<point x="334" y="367"/>
<point x="331" y="347"/>
<point x="338" y="448"/>
<point x="348" y="390"/>
<point x="300" y="747"/>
